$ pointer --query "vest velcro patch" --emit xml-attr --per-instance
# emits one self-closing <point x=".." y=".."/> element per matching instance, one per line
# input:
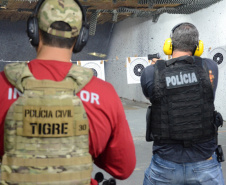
<point x="48" y="121"/>
<point x="181" y="78"/>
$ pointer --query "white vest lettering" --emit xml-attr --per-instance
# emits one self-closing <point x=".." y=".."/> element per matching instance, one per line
<point x="185" y="78"/>
<point x="174" y="80"/>
<point x="194" y="78"/>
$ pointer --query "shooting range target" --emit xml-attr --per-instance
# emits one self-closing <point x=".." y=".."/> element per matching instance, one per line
<point x="219" y="56"/>
<point x="96" y="65"/>
<point x="135" y="67"/>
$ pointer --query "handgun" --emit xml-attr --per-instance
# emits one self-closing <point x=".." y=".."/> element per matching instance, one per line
<point x="220" y="154"/>
<point x="151" y="56"/>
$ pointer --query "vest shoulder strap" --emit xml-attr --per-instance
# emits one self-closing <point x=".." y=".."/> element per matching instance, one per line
<point x="190" y="60"/>
<point x="80" y="75"/>
<point x="200" y="62"/>
<point x="16" y="72"/>
<point x="187" y="59"/>
<point x="160" y="64"/>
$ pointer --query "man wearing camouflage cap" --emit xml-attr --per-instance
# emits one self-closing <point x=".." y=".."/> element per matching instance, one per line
<point x="63" y="119"/>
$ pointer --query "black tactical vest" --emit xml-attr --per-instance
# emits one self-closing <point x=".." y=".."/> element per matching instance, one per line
<point x="182" y="102"/>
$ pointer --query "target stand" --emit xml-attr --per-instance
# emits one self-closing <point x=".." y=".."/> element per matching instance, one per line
<point x="135" y="67"/>
<point x="219" y="56"/>
<point x="96" y="65"/>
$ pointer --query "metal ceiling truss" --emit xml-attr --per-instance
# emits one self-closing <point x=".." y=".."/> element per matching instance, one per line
<point x="93" y="22"/>
<point x="99" y="12"/>
<point x="186" y="6"/>
<point x="192" y="7"/>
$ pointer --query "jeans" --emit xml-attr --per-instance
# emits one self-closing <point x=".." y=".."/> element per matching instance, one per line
<point x="163" y="172"/>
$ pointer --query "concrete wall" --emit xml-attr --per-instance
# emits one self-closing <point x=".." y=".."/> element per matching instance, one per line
<point x="141" y="37"/>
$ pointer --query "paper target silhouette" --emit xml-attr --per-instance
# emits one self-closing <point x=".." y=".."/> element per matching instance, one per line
<point x="96" y="65"/>
<point x="219" y="56"/>
<point x="135" y="67"/>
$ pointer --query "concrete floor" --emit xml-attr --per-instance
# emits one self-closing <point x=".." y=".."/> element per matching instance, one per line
<point x="136" y="116"/>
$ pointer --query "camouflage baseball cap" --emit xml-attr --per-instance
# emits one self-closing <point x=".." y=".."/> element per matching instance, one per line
<point x="60" y="10"/>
